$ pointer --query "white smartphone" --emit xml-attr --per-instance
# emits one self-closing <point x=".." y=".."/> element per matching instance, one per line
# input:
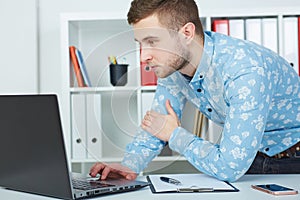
<point x="275" y="189"/>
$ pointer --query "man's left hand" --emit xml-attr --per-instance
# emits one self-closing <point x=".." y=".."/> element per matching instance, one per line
<point x="160" y="125"/>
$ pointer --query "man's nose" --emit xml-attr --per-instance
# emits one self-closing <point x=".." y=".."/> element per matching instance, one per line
<point x="146" y="55"/>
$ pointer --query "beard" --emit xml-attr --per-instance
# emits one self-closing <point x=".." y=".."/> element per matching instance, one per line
<point x="179" y="59"/>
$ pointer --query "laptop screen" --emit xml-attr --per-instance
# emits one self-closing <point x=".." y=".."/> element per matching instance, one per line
<point x="32" y="147"/>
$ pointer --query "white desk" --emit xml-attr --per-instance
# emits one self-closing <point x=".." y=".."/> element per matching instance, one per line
<point x="243" y="184"/>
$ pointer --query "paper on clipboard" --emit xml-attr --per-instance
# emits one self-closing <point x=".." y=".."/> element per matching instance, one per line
<point x="189" y="183"/>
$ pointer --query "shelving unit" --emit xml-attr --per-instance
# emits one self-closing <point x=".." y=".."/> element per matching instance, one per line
<point x="115" y="112"/>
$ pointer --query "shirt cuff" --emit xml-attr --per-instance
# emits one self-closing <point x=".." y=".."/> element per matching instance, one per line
<point x="180" y="140"/>
<point x="133" y="162"/>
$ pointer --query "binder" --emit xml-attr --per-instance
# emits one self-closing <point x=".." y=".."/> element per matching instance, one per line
<point x="270" y="33"/>
<point x="93" y="120"/>
<point x="221" y="26"/>
<point x="147" y="99"/>
<point x="214" y="132"/>
<point x="188" y="183"/>
<point x="76" y="66"/>
<point x="148" y="76"/>
<point x="83" y="70"/>
<point x="78" y="126"/>
<point x="290" y="41"/>
<point x="236" y="28"/>
<point x="253" y="30"/>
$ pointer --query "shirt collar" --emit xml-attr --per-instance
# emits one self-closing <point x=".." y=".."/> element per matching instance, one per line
<point x="206" y="58"/>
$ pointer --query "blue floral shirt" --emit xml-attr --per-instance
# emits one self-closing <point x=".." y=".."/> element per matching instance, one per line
<point x="250" y="91"/>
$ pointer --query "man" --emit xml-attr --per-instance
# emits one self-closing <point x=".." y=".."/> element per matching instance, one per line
<point x="249" y="90"/>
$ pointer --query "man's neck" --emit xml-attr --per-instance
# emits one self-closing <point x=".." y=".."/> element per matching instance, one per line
<point x="188" y="70"/>
<point x="188" y="78"/>
<point x="196" y="49"/>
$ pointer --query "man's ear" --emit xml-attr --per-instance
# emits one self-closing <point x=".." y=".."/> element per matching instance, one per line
<point x="188" y="31"/>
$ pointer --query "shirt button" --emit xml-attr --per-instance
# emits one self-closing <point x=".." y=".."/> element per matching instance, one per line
<point x="209" y="110"/>
<point x="201" y="76"/>
<point x="199" y="90"/>
<point x="267" y="149"/>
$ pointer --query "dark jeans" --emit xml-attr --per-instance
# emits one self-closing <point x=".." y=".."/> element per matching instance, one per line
<point x="269" y="165"/>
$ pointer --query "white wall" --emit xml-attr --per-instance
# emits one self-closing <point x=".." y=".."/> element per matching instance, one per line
<point x="18" y="47"/>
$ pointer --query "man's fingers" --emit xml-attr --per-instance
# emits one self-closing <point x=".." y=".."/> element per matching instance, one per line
<point x="96" y="169"/>
<point x="131" y="176"/>
<point x="146" y="127"/>
<point x="105" y="172"/>
<point x="112" y="171"/>
<point x="146" y="122"/>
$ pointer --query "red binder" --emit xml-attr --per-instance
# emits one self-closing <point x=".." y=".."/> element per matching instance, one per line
<point x="76" y="66"/>
<point x="148" y="76"/>
<point x="221" y="26"/>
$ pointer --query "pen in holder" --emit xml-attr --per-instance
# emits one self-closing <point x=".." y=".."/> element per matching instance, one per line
<point x="118" y="74"/>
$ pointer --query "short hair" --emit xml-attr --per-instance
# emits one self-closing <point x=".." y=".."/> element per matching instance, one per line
<point x="173" y="14"/>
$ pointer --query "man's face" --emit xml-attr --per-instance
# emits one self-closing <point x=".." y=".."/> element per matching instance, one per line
<point x="162" y="50"/>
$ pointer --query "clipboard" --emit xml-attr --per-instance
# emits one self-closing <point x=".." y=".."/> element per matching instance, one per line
<point x="189" y="183"/>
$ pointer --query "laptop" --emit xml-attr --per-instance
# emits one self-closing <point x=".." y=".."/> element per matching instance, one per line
<point x="33" y="156"/>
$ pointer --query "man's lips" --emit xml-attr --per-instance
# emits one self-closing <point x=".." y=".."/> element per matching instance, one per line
<point x="153" y="67"/>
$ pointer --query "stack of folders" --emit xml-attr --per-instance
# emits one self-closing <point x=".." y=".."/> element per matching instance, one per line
<point x="184" y="183"/>
<point x="291" y="41"/>
<point x="79" y="67"/>
<point x="86" y="132"/>
<point x="265" y="31"/>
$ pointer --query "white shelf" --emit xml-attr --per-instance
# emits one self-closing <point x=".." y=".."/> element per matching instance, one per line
<point x="148" y="88"/>
<point x="119" y="159"/>
<point x="101" y="89"/>
<point x="95" y="160"/>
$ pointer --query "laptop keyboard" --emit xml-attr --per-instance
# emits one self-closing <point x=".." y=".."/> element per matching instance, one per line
<point x="88" y="185"/>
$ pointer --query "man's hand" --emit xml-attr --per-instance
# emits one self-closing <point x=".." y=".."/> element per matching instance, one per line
<point x="114" y="171"/>
<point x="159" y="125"/>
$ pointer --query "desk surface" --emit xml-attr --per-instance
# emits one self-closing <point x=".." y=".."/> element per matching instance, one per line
<point x="243" y="184"/>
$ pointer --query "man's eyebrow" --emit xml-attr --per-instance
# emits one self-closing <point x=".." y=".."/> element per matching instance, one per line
<point x="146" y="38"/>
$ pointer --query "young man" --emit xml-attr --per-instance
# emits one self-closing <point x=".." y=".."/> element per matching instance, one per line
<point x="248" y="89"/>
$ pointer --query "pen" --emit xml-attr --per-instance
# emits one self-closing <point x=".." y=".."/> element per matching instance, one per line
<point x="112" y="60"/>
<point x="183" y="190"/>
<point x="170" y="180"/>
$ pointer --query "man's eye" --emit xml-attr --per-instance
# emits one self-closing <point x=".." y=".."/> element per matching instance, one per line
<point x="151" y="42"/>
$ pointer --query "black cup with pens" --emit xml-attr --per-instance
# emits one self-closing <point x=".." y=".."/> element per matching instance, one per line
<point x="118" y="72"/>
